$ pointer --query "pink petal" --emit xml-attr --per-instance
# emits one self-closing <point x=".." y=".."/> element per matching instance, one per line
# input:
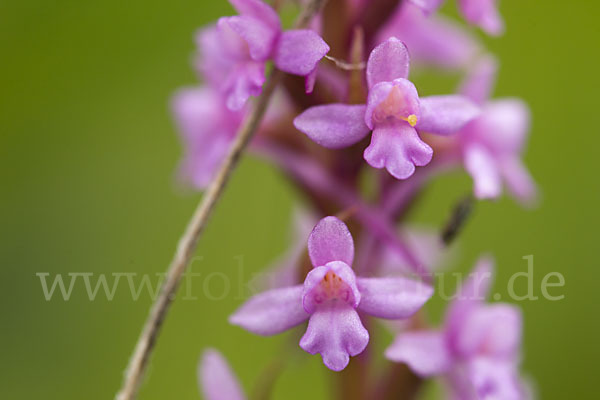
<point x="259" y="37"/>
<point x="313" y="298"/>
<point x="271" y="312"/>
<point x="433" y="40"/>
<point x="483" y="13"/>
<point x="504" y="125"/>
<point x="333" y="125"/>
<point x="398" y="148"/>
<point x="518" y="180"/>
<point x="392" y="298"/>
<point x="404" y="103"/>
<point x="311" y="79"/>
<point x="489" y="378"/>
<point x="476" y="287"/>
<point x="299" y="51"/>
<point x="335" y="332"/>
<point x="329" y="241"/>
<point x="259" y="10"/>
<point x="482" y="167"/>
<point x="445" y="115"/>
<point x="425" y="352"/>
<point x="479" y="83"/>
<point x="491" y="331"/>
<point x="388" y="61"/>
<point x="427" y="6"/>
<point x="216" y="379"/>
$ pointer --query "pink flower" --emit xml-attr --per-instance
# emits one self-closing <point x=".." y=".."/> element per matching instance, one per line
<point x="330" y="299"/>
<point x="394" y="112"/>
<point x="234" y="52"/>
<point x="207" y="129"/>
<point x="483" y="13"/>
<point x="477" y="349"/>
<point x="492" y="144"/>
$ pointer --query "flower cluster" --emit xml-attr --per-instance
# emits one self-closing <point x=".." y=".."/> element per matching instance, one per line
<point x="347" y="110"/>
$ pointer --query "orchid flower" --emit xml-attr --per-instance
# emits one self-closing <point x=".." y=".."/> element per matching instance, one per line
<point x="235" y="51"/>
<point x="491" y="145"/>
<point x="393" y="112"/>
<point x="477" y="350"/>
<point x="216" y="380"/>
<point x="207" y="129"/>
<point x="433" y="40"/>
<point x="483" y="13"/>
<point x="330" y="299"/>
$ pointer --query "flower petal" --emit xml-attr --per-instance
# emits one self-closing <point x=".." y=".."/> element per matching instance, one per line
<point x="445" y="115"/>
<point x="479" y="83"/>
<point x="425" y="352"/>
<point x="490" y="330"/>
<point x="271" y="312"/>
<point x="299" y="51"/>
<point x="428" y="6"/>
<point x="329" y="241"/>
<point x="216" y="379"/>
<point x="493" y="379"/>
<point x="388" y="61"/>
<point x="259" y="37"/>
<point x="483" y="13"/>
<point x="482" y="167"/>
<point x="313" y="295"/>
<point x="333" y="125"/>
<point x="393" y="297"/>
<point x="336" y="332"/>
<point x="518" y="180"/>
<point x="398" y="148"/>
<point x="257" y="9"/>
<point x="433" y="40"/>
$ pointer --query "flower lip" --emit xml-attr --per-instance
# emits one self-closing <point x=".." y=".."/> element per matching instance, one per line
<point x="396" y="101"/>
<point x="333" y="282"/>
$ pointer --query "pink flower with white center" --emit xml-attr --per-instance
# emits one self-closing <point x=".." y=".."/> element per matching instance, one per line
<point x="331" y="298"/>
<point x="483" y="13"/>
<point x="207" y="129"/>
<point x="492" y="144"/>
<point x="394" y="112"/>
<point x="477" y="350"/>
<point x="234" y="52"/>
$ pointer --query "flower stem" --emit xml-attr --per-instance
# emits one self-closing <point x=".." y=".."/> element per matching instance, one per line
<point x="189" y="241"/>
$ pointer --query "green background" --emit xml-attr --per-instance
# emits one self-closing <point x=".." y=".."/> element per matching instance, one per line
<point x="87" y="159"/>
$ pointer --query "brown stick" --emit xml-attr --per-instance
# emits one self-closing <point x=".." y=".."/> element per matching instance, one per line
<point x="189" y="241"/>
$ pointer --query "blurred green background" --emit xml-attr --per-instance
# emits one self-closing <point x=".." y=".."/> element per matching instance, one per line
<point x="87" y="159"/>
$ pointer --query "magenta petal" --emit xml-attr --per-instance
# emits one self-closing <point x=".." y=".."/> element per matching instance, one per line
<point x="482" y="167"/>
<point x="388" y="61"/>
<point x="329" y="241"/>
<point x="309" y="82"/>
<point x="259" y="10"/>
<point x="493" y="379"/>
<point x="445" y="115"/>
<point x="336" y="332"/>
<point x="425" y="352"/>
<point x="259" y="37"/>
<point x="216" y="379"/>
<point x="433" y="40"/>
<point x="476" y="287"/>
<point x="491" y="330"/>
<point x="483" y="13"/>
<point x="271" y="312"/>
<point x="428" y="6"/>
<point x="518" y="180"/>
<point x="333" y="125"/>
<point x="299" y="51"/>
<point x="392" y="298"/>
<point x="398" y="148"/>
<point x="479" y="83"/>
<point x="504" y="125"/>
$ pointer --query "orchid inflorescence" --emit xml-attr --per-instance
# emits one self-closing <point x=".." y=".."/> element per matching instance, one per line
<point x="345" y="104"/>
